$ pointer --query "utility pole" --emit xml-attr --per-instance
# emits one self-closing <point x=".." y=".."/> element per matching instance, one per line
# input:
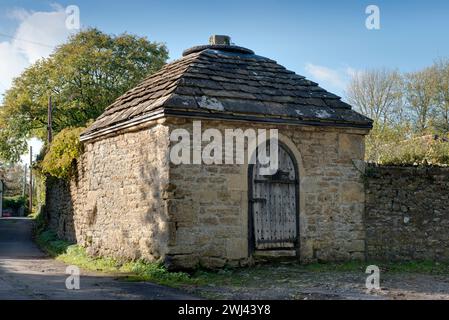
<point x="31" y="180"/>
<point x="24" y="190"/>
<point x="49" y="121"/>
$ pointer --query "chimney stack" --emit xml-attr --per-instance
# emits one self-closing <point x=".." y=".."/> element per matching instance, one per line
<point x="220" y="40"/>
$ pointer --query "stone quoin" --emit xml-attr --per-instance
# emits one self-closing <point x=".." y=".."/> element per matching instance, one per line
<point x="129" y="201"/>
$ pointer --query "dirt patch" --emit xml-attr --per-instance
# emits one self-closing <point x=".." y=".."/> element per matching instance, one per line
<point x="298" y="282"/>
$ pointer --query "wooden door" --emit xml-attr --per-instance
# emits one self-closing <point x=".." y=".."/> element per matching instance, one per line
<point x="273" y="201"/>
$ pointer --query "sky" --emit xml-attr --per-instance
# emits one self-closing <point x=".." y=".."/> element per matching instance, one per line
<point x="326" y="41"/>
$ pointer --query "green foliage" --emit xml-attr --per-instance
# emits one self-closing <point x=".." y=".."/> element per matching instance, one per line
<point x="381" y="137"/>
<point x="12" y="176"/>
<point x="12" y="142"/>
<point x="14" y="203"/>
<point x="400" y="145"/>
<point x="157" y="273"/>
<point x="405" y="108"/>
<point x="50" y="242"/>
<point x="39" y="221"/>
<point x="415" y="152"/>
<point x="63" y="151"/>
<point x="83" y="76"/>
<point x="40" y="189"/>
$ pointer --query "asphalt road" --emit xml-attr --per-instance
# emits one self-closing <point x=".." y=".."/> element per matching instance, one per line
<point x="26" y="273"/>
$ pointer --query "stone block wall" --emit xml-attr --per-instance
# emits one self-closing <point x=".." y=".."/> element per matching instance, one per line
<point x="59" y="208"/>
<point x="407" y="213"/>
<point x="209" y="203"/>
<point x="115" y="205"/>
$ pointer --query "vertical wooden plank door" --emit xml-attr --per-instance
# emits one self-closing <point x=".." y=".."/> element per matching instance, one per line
<point x="274" y="201"/>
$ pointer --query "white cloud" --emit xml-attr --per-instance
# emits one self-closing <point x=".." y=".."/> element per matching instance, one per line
<point x="326" y="75"/>
<point x="334" y="80"/>
<point x="351" y="72"/>
<point x="12" y="64"/>
<point x="46" y="28"/>
<point x="37" y="34"/>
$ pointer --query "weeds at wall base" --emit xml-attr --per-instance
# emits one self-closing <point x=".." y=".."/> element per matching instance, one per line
<point x="73" y="254"/>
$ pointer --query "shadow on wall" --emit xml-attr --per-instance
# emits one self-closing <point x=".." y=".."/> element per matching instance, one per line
<point x="59" y="208"/>
<point x="151" y="205"/>
<point x="131" y="220"/>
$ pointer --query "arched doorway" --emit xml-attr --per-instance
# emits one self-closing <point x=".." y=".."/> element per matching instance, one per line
<point x="274" y="205"/>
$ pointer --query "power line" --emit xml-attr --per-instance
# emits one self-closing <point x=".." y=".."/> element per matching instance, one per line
<point x="24" y="40"/>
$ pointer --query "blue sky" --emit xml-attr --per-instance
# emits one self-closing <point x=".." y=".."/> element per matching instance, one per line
<point x="323" y="40"/>
<point x="298" y="34"/>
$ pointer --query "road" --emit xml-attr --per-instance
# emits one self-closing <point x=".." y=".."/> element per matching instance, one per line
<point x="26" y="273"/>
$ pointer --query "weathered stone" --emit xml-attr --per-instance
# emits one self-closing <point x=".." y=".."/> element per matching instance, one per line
<point x="212" y="263"/>
<point x="356" y="246"/>
<point x="181" y="262"/>
<point x="236" y="248"/>
<point x="114" y="206"/>
<point x="350" y="146"/>
<point x="406" y="214"/>
<point x="352" y="192"/>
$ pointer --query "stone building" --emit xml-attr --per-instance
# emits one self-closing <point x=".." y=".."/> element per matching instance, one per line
<point x="131" y="201"/>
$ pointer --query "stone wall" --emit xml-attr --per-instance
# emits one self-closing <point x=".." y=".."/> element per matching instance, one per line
<point x="116" y="200"/>
<point x="129" y="201"/>
<point x="59" y="208"/>
<point x="407" y="213"/>
<point x="209" y="203"/>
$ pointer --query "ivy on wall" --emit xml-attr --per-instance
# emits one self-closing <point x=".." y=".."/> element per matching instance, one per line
<point x="62" y="153"/>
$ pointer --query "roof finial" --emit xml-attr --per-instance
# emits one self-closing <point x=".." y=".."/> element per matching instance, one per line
<point x="220" y="40"/>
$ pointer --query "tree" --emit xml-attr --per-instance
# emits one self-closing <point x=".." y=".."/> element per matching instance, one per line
<point x="83" y="76"/>
<point x="441" y="68"/>
<point x="377" y="94"/>
<point x="383" y="140"/>
<point x="407" y="111"/>
<point x="419" y="91"/>
<point x="13" y="179"/>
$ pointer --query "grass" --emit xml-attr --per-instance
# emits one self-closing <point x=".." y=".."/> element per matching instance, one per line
<point x="427" y="267"/>
<point x="133" y="271"/>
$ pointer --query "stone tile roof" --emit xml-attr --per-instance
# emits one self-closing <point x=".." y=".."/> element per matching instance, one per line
<point x="228" y="82"/>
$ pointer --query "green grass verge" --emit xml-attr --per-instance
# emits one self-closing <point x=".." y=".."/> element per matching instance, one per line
<point x="133" y="271"/>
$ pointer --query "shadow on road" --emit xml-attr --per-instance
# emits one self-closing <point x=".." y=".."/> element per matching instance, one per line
<point x="27" y="273"/>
